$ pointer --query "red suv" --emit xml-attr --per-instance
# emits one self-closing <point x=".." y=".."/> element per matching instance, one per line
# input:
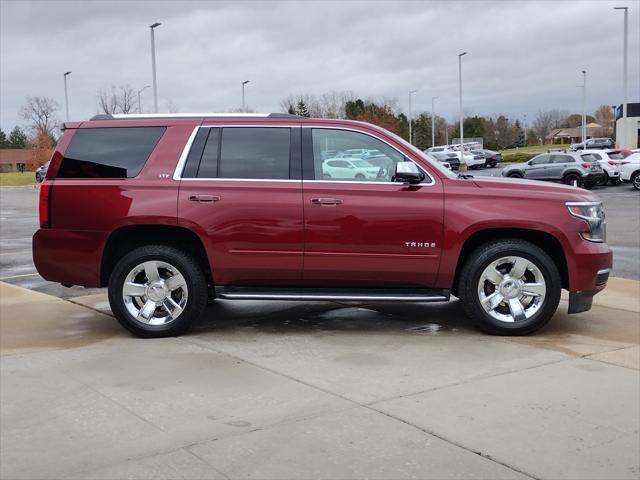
<point x="170" y="212"/>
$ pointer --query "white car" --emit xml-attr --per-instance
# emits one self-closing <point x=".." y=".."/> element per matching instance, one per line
<point x="349" y="168"/>
<point x="610" y="166"/>
<point x="630" y="170"/>
<point x="467" y="157"/>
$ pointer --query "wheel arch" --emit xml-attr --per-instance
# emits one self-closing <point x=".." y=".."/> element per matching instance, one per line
<point x="543" y="240"/>
<point x="126" y="238"/>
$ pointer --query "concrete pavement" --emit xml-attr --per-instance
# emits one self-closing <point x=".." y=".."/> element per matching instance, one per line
<point x="307" y="390"/>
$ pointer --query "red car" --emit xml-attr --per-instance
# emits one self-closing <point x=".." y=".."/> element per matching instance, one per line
<point x="171" y="212"/>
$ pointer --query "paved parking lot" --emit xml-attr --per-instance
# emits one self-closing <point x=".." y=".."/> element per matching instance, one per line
<point x="272" y="390"/>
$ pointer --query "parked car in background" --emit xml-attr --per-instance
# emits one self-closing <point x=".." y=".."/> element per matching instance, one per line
<point x="451" y="158"/>
<point x="619" y="153"/>
<point x="440" y="158"/>
<point x="41" y="172"/>
<point x="566" y="167"/>
<point x="593" y="144"/>
<point x="349" y="168"/>
<point x="630" y="171"/>
<point x="492" y="158"/>
<point x="610" y="168"/>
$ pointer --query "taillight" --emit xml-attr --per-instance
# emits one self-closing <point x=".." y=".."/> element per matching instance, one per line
<point x="623" y="163"/>
<point x="45" y="203"/>
<point x="613" y="162"/>
<point x="586" y="165"/>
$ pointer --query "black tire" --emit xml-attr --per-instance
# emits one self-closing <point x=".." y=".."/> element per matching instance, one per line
<point x="589" y="185"/>
<point x="195" y="281"/>
<point x="603" y="180"/>
<point x="635" y="180"/>
<point x="483" y="256"/>
<point x="572" y="179"/>
<point x="38" y="177"/>
<point x="360" y="176"/>
<point x="515" y="175"/>
<point x="615" y="181"/>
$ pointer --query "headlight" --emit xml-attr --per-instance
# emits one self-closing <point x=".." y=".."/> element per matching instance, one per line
<point x="593" y="214"/>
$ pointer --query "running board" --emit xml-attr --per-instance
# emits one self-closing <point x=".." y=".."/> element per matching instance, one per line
<point x="340" y="294"/>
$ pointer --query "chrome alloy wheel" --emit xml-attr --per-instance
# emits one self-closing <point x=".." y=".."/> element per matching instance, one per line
<point x="511" y="289"/>
<point x="155" y="293"/>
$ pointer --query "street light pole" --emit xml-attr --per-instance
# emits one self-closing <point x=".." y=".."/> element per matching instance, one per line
<point x="66" y="95"/>
<point x="139" y="92"/>
<point x="153" y="65"/>
<point x="525" y="129"/>
<point x="624" y="59"/>
<point x="584" y="111"/>
<point x="462" y="162"/>
<point x="243" y="84"/>
<point x="410" y="116"/>
<point x="433" y="121"/>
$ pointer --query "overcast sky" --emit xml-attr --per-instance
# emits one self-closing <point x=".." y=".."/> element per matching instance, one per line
<point x="523" y="56"/>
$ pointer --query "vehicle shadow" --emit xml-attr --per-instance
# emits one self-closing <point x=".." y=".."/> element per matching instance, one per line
<point x="313" y="317"/>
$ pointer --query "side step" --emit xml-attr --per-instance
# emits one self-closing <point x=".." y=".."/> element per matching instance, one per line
<point x="343" y="294"/>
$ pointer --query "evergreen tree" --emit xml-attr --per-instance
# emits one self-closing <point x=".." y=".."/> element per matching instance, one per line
<point x="292" y="110"/>
<point x="3" y="139"/>
<point x="354" y="109"/>
<point x="17" y="138"/>
<point x="302" y="110"/>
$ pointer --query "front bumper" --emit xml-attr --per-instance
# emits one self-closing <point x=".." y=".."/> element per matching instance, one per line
<point x="588" y="267"/>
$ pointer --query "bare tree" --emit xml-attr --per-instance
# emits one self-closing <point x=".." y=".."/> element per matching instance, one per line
<point x="40" y="115"/>
<point x="544" y="122"/>
<point x="172" y="107"/>
<point x="604" y="116"/>
<point x="121" y="99"/>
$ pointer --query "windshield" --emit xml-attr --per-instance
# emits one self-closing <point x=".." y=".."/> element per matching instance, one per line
<point x="437" y="165"/>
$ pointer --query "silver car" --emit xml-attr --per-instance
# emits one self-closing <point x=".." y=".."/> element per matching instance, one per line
<point x="566" y="167"/>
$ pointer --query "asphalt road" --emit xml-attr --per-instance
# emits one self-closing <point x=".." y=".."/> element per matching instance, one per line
<point x="19" y="220"/>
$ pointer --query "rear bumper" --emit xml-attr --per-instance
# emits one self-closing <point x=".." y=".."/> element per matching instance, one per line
<point x="68" y="256"/>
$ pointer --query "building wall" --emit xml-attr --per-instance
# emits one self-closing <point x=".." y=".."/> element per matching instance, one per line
<point x="627" y="132"/>
<point x="11" y="157"/>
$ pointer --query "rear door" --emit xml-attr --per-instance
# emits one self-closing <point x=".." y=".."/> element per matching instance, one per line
<point x="241" y="191"/>
<point x="558" y="165"/>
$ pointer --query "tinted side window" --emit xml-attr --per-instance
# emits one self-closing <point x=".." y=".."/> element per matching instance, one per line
<point x="540" y="160"/>
<point x="255" y="153"/>
<point x="117" y="152"/>
<point x="209" y="162"/>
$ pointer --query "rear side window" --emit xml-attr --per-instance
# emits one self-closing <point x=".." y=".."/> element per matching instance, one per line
<point x="117" y="152"/>
<point x="246" y="153"/>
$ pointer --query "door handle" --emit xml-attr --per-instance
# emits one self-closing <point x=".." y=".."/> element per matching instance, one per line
<point x="326" y="202"/>
<point x="204" y="198"/>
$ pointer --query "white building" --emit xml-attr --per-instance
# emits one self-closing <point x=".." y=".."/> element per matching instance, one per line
<point x="628" y="129"/>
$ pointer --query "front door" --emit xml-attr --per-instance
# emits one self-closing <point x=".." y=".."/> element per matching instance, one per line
<point x="365" y="230"/>
<point x="537" y="169"/>
<point x="241" y="191"/>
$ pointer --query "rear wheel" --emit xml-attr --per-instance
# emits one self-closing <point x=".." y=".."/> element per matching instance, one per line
<point x="509" y="287"/>
<point x="38" y="177"/>
<point x="615" y="181"/>
<point x="515" y="175"/>
<point x="157" y="291"/>
<point x="635" y="180"/>
<point x="603" y="180"/>
<point x="572" y="179"/>
<point x="360" y="176"/>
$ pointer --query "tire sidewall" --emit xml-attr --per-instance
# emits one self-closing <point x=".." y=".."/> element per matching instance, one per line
<point x="194" y="279"/>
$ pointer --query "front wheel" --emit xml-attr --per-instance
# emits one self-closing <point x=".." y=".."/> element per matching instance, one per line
<point x="509" y="287"/>
<point x="515" y="175"/>
<point x="157" y="291"/>
<point x="635" y="180"/>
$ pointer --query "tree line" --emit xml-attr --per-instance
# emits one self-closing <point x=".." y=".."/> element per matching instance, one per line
<point x="499" y="132"/>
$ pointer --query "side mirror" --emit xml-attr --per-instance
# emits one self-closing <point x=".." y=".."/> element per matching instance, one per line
<point x="407" y="172"/>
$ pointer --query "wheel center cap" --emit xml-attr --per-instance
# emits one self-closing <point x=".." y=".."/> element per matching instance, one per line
<point x="157" y="291"/>
<point x="510" y="288"/>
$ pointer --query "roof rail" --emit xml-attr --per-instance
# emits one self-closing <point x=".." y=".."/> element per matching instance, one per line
<point x="131" y="116"/>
